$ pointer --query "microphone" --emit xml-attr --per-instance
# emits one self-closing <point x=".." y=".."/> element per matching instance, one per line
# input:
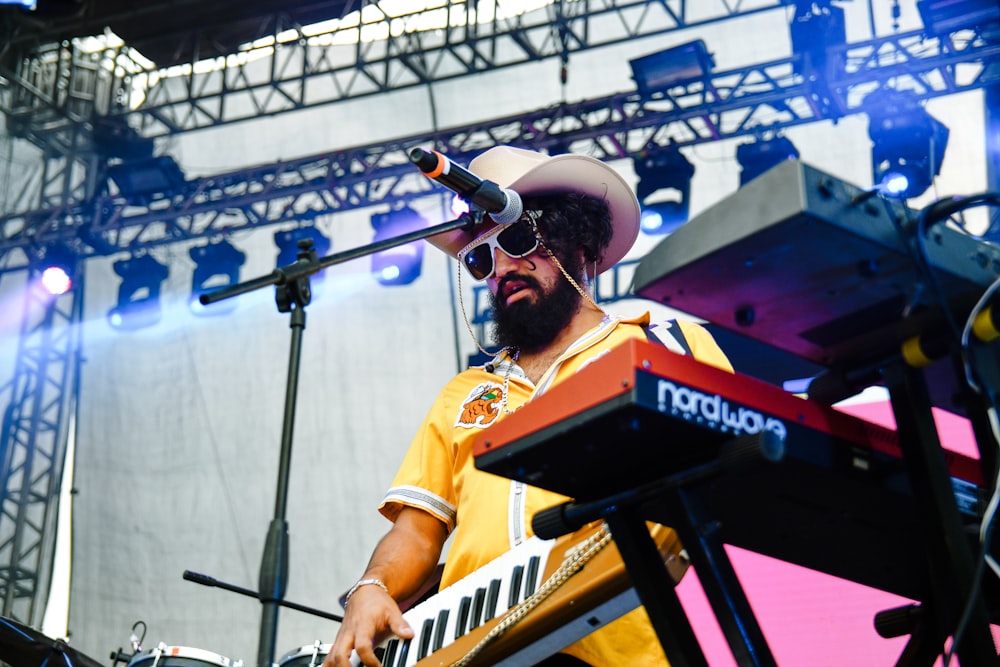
<point x="503" y="205"/>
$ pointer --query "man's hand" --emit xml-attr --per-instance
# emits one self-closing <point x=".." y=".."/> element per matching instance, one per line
<point x="371" y="617"/>
<point x="407" y="555"/>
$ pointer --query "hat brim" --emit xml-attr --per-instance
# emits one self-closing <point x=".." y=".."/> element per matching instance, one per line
<point x="568" y="172"/>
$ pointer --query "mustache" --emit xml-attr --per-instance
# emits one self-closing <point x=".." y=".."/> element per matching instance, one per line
<point x="528" y="280"/>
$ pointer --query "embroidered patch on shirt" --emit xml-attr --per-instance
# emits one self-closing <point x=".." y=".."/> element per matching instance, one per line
<point x="481" y="407"/>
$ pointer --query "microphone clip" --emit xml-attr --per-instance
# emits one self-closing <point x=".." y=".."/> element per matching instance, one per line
<point x="473" y="218"/>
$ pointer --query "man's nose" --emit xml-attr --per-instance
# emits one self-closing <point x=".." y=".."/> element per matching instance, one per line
<point x="503" y="263"/>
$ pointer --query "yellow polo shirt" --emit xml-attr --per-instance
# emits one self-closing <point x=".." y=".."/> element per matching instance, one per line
<point x="490" y="514"/>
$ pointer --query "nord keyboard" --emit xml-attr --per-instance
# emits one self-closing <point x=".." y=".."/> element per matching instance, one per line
<point x="839" y="502"/>
<point x="451" y="623"/>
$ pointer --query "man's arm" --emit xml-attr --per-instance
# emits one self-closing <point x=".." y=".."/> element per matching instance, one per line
<point x="403" y="559"/>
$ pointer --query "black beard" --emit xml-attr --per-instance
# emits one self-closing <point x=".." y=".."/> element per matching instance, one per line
<point x="531" y="325"/>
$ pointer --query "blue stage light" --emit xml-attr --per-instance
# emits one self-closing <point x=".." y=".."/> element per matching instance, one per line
<point x="139" y="293"/>
<point x="399" y="265"/>
<point x="663" y="189"/>
<point x="908" y="144"/>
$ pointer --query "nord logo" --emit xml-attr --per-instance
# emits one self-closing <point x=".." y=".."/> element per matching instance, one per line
<point x="718" y="412"/>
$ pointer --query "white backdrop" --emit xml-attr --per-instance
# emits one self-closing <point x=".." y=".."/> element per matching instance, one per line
<point x="179" y="424"/>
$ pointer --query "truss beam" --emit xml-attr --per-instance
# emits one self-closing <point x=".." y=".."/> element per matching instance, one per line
<point x="33" y="446"/>
<point x="301" y="70"/>
<point x="730" y="104"/>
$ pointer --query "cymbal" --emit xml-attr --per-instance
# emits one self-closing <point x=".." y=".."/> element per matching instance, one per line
<point x="21" y="646"/>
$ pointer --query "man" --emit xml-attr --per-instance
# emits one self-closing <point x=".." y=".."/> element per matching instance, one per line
<point x="580" y="219"/>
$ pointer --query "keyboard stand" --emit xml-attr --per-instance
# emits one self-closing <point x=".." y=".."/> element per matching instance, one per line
<point x="674" y="501"/>
<point x="951" y="564"/>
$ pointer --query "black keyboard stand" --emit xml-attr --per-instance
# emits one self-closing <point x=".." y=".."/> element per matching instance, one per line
<point x="715" y="572"/>
<point x="950" y="559"/>
<point x="674" y="501"/>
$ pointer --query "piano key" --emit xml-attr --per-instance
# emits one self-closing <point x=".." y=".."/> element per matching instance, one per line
<point x="389" y="657"/>
<point x="440" y="629"/>
<point x="514" y="596"/>
<point x="424" y="639"/>
<point x="492" y="595"/>
<point x="462" y="621"/>
<point x="478" y="600"/>
<point x="534" y="565"/>
<point x="404" y="652"/>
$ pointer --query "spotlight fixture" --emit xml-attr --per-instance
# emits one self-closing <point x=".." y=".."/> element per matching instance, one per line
<point x="682" y="64"/>
<point x="399" y="265"/>
<point x="663" y="189"/>
<point x="764" y="153"/>
<point x="288" y="243"/>
<point x="217" y="265"/>
<point x="57" y="268"/>
<point x="908" y="144"/>
<point x="941" y="17"/>
<point x="139" y="293"/>
<point x="148" y="179"/>
<point x="816" y="25"/>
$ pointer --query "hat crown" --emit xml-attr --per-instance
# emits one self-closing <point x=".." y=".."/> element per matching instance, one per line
<point x="504" y="165"/>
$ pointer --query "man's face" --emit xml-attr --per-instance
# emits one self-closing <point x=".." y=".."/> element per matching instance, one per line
<point x="532" y="301"/>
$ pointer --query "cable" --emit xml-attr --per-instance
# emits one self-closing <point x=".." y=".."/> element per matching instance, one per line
<point x="935" y="213"/>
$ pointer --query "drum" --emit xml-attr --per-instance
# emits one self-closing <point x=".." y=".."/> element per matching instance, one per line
<point x="180" y="656"/>
<point x="306" y="656"/>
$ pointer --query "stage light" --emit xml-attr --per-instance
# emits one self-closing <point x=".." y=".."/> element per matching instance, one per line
<point x="764" y="153"/>
<point x="459" y="206"/>
<point x="146" y="180"/>
<point x="217" y="265"/>
<point x="679" y="65"/>
<point x="401" y="264"/>
<point x="941" y="17"/>
<point x="139" y="293"/>
<point x="288" y="243"/>
<point x="908" y="144"/>
<point x="816" y="25"/>
<point x="57" y="267"/>
<point x="663" y="189"/>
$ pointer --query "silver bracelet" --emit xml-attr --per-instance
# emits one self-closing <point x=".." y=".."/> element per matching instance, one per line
<point x="364" y="582"/>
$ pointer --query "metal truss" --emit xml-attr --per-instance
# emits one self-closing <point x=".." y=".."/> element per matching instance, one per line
<point x="33" y="447"/>
<point x="735" y="103"/>
<point x="301" y="69"/>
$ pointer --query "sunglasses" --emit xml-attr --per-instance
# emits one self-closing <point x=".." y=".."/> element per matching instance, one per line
<point x="517" y="239"/>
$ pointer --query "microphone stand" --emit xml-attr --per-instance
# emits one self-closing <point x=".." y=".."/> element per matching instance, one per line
<point x="293" y="294"/>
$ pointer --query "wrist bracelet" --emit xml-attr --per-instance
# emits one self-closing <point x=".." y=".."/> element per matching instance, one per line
<point x="364" y="582"/>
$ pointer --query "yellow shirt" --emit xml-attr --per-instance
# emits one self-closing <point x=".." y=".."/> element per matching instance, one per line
<point x="490" y="514"/>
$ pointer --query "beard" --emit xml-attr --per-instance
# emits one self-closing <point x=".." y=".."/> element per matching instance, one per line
<point x="531" y="324"/>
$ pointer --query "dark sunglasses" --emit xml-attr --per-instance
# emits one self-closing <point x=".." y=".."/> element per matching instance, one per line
<point x="516" y="239"/>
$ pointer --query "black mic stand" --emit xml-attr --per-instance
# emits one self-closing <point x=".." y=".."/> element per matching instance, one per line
<point x="293" y="294"/>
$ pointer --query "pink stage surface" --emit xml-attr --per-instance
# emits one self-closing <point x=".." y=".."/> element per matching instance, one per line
<point x="811" y="619"/>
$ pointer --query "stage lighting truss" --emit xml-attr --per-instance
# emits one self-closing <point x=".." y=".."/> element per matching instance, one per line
<point x="398" y="265"/>
<point x="759" y="155"/>
<point x="139" y="293"/>
<point x="217" y="265"/>
<point x="664" y="188"/>
<point x="681" y="65"/>
<point x="908" y="144"/>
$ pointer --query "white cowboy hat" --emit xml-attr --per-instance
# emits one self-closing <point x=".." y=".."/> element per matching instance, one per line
<point x="530" y="173"/>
